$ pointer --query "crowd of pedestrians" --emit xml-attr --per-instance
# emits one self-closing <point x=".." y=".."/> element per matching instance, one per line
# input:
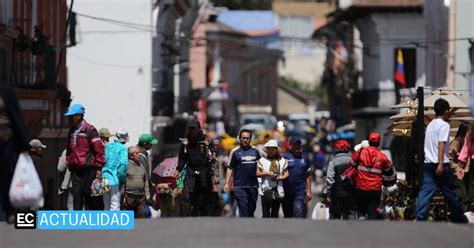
<point x="101" y="172"/>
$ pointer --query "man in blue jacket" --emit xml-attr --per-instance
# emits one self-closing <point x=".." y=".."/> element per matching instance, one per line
<point x="115" y="169"/>
<point x="298" y="185"/>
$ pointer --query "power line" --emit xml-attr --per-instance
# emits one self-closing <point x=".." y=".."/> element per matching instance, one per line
<point x="104" y="64"/>
<point x="114" y="21"/>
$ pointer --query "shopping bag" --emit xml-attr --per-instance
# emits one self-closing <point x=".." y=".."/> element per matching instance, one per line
<point x="320" y="212"/>
<point x="26" y="190"/>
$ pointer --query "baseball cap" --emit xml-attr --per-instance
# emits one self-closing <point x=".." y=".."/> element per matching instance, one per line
<point x="295" y="141"/>
<point x="104" y="132"/>
<point x="194" y="123"/>
<point x="341" y="145"/>
<point x="122" y="135"/>
<point x="374" y="137"/>
<point x="147" y="138"/>
<point x="76" y="109"/>
<point x="35" y="143"/>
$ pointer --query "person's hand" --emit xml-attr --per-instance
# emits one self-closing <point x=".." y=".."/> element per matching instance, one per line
<point x="226" y="188"/>
<point x="177" y="174"/>
<point x="328" y="199"/>
<point x="460" y="174"/>
<point x="274" y="177"/>
<point x="309" y="196"/>
<point x="440" y="169"/>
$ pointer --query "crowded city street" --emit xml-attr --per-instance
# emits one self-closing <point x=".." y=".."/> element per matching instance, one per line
<point x="254" y="123"/>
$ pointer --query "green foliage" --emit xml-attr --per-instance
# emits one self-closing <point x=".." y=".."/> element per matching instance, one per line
<point x="244" y="4"/>
<point x="314" y="89"/>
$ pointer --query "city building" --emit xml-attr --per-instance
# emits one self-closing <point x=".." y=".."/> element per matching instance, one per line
<point x="33" y="61"/>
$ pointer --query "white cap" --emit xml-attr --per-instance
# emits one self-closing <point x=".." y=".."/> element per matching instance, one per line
<point x="35" y="143"/>
<point x="122" y="135"/>
<point x="271" y="143"/>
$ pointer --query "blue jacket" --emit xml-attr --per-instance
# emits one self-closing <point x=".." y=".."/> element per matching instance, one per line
<point x="116" y="157"/>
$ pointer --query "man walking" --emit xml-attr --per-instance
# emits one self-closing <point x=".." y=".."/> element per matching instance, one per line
<point x="242" y="168"/>
<point x="84" y="156"/>
<point x="437" y="173"/>
<point x="298" y="185"/>
<point x="372" y="168"/>
<point x="195" y="154"/>
<point x="342" y="202"/>
<point x="115" y="169"/>
<point x="137" y="191"/>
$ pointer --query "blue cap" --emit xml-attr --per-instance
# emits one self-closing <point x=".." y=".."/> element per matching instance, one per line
<point x="295" y="140"/>
<point x="76" y="109"/>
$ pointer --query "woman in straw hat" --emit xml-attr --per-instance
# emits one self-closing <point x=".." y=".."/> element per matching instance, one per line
<point x="273" y="170"/>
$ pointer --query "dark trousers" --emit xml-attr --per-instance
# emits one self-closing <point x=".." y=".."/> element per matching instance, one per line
<point x="7" y="168"/>
<point x="246" y="201"/>
<point x="196" y="195"/>
<point x="270" y="209"/>
<point x="431" y="184"/>
<point x="81" y="190"/>
<point x="342" y="207"/>
<point x="136" y="203"/>
<point x="367" y="203"/>
<point x="214" y="205"/>
<point x="294" y="206"/>
<point x="465" y="189"/>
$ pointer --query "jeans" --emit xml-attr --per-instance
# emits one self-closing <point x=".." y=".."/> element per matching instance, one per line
<point x="112" y="198"/>
<point x="294" y="206"/>
<point x="367" y="204"/>
<point x="246" y="201"/>
<point x="81" y="190"/>
<point x="431" y="184"/>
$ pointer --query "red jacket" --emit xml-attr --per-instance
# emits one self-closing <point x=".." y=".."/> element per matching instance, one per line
<point x="88" y="151"/>
<point x="373" y="168"/>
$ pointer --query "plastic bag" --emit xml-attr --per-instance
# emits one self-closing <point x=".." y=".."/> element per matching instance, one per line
<point x="320" y="212"/>
<point x="26" y="190"/>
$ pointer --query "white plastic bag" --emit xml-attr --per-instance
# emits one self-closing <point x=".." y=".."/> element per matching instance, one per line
<point x="320" y="212"/>
<point x="26" y="190"/>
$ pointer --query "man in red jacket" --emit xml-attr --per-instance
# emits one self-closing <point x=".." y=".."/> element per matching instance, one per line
<point x="84" y="156"/>
<point x="373" y="168"/>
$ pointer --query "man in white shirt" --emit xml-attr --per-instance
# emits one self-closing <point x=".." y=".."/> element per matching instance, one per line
<point x="437" y="173"/>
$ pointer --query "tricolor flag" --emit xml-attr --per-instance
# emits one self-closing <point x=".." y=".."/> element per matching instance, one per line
<point x="400" y="71"/>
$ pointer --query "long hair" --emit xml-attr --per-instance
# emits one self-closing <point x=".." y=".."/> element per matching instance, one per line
<point x="462" y="131"/>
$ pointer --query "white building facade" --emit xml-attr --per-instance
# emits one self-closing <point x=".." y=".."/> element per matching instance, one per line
<point x="110" y="68"/>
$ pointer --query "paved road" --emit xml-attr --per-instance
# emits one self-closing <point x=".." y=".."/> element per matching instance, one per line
<point x="231" y="232"/>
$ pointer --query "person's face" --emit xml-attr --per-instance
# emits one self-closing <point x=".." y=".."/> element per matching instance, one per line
<point x="135" y="155"/>
<point x="147" y="146"/>
<point x="75" y="120"/>
<point x="98" y="174"/>
<point x="447" y="115"/>
<point x="193" y="132"/>
<point x="37" y="150"/>
<point x="105" y="139"/>
<point x="296" y="149"/>
<point x="245" y="139"/>
<point x="272" y="151"/>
